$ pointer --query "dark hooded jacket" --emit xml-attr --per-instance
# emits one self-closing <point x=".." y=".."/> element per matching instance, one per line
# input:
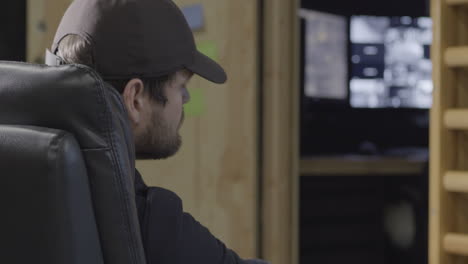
<point x="171" y="236"/>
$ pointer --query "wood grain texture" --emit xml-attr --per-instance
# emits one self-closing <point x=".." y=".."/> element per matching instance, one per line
<point x="458" y="219"/>
<point x="456" y="119"/>
<point x="35" y="36"/>
<point x="43" y="18"/>
<point x="456" y="56"/>
<point x="360" y="166"/>
<point x="280" y="131"/>
<point x="456" y="181"/>
<point x="443" y="147"/>
<point x="457" y="2"/>
<point x="456" y="244"/>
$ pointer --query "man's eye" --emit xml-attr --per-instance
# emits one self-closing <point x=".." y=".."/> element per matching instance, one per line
<point x="185" y="94"/>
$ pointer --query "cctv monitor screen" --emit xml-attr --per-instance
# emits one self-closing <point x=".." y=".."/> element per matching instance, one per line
<point x="389" y="62"/>
<point x="325" y="55"/>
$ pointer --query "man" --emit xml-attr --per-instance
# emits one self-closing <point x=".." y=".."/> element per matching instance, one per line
<point x="146" y="50"/>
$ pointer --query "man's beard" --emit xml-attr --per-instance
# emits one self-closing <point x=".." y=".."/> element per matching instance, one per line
<point x="158" y="141"/>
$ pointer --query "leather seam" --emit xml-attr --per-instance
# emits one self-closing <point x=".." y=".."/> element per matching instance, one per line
<point x="149" y="199"/>
<point x="55" y="144"/>
<point x="126" y="216"/>
<point x="108" y="122"/>
<point x="95" y="149"/>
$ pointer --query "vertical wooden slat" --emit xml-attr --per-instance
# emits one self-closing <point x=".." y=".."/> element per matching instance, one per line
<point x="280" y="132"/>
<point x="35" y="36"/>
<point x="295" y="131"/>
<point x="459" y="200"/>
<point x="442" y="141"/>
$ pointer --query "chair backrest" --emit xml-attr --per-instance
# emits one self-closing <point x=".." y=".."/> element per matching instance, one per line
<point x="73" y="98"/>
<point x="47" y="210"/>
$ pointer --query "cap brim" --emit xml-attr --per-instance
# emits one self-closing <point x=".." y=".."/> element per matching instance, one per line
<point x="207" y="68"/>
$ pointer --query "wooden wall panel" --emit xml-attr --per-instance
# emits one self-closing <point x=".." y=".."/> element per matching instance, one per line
<point x="43" y="17"/>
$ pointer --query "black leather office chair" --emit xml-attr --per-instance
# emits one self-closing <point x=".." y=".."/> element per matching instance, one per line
<point x="66" y="169"/>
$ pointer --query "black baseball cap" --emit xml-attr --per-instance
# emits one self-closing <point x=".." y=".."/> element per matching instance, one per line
<point x="137" y="38"/>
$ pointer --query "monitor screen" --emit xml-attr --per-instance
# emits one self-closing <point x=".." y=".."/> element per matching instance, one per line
<point x="390" y="63"/>
<point x="325" y="55"/>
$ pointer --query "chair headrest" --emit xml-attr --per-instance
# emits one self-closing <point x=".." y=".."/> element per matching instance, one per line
<point x="70" y="97"/>
<point x="74" y="98"/>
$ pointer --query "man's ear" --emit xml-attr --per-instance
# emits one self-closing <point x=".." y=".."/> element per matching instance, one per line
<point x="134" y="99"/>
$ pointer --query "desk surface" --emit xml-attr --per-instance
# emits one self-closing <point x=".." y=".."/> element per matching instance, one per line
<point x="361" y="165"/>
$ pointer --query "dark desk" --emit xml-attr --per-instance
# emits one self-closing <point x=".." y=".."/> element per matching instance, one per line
<point x="362" y="165"/>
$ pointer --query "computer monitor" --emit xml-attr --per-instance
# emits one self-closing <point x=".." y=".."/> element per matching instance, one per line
<point x="389" y="62"/>
<point x="325" y="55"/>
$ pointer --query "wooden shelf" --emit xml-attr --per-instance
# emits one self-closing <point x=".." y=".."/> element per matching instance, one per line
<point x="456" y="119"/>
<point x="456" y="181"/>
<point x="457" y="2"/>
<point x="360" y="165"/>
<point x="456" y="244"/>
<point x="456" y="56"/>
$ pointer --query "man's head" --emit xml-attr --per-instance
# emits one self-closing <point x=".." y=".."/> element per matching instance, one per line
<point x="154" y="105"/>
<point x="155" y="123"/>
<point x="145" y="49"/>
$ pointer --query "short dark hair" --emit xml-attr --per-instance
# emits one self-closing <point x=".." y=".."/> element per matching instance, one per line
<point x="75" y="49"/>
